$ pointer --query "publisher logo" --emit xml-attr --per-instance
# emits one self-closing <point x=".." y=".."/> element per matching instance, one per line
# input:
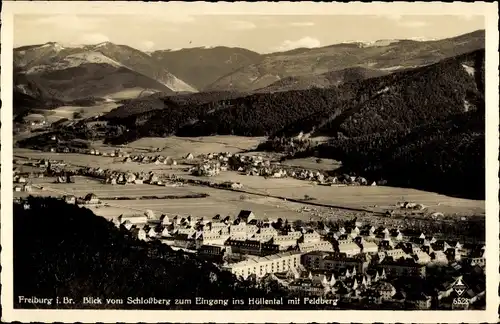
<point x="460" y="287"/>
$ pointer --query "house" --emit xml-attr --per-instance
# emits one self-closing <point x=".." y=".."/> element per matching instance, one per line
<point x="310" y="236"/>
<point x="142" y="235"/>
<point x="128" y="225"/>
<point x="138" y="181"/>
<point x="310" y="286"/>
<point x="246" y="216"/>
<point x="402" y="267"/>
<point x="17" y="188"/>
<point x="152" y="232"/>
<point x="396" y="254"/>
<point x="422" y="258"/>
<point x="348" y="247"/>
<point x="385" y="290"/>
<point x="91" y="199"/>
<point x="420" y="300"/>
<point x="189" y="156"/>
<point x="133" y="219"/>
<point x="27" y="187"/>
<point x="165" y="220"/>
<point x="70" y="199"/>
<point x="477" y="257"/>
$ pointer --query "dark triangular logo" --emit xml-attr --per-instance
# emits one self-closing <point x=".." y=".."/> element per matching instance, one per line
<point x="460" y="287"/>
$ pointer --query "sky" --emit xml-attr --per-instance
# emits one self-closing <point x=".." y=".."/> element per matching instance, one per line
<point x="260" y="33"/>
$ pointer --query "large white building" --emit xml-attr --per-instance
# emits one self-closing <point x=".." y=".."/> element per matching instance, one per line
<point x="260" y="266"/>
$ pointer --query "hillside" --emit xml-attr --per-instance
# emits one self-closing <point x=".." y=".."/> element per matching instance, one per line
<point x="201" y="66"/>
<point x="100" y="70"/>
<point x="65" y="250"/>
<point x="160" y="101"/>
<point x="400" y="101"/>
<point x="445" y="156"/>
<point x="324" y="80"/>
<point x="91" y="80"/>
<point x="396" y="101"/>
<point x="390" y="56"/>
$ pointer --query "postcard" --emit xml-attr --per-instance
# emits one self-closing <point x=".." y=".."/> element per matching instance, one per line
<point x="252" y="162"/>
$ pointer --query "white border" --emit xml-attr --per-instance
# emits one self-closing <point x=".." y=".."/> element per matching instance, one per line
<point x="489" y="10"/>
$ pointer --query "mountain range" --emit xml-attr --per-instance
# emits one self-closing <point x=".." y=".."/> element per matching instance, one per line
<point x="409" y="112"/>
<point x="106" y="71"/>
<point x="397" y="101"/>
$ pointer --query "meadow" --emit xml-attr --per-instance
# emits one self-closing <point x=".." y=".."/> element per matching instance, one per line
<point x="256" y="189"/>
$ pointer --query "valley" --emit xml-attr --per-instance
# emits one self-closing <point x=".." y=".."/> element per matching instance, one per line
<point x="272" y="168"/>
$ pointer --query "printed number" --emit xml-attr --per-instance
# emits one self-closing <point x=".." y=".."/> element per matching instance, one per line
<point x="460" y="301"/>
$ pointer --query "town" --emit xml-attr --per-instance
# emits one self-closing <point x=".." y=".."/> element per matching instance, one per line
<point x="352" y="261"/>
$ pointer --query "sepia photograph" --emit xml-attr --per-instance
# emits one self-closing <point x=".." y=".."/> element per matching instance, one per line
<point x="167" y="158"/>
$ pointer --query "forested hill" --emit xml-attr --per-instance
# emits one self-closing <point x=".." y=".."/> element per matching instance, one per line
<point x="324" y="80"/>
<point x="397" y="101"/>
<point x="147" y="105"/>
<point x="401" y="101"/>
<point x="65" y="250"/>
<point x="445" y="156"/>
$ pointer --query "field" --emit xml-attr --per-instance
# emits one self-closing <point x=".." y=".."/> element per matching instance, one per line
<point x="219" y="202"/>
<point x="54" y="115"/>
<point x="105" y="162"/>
<point x="378" y="198"/>
<point x="181" y="146"/>
<point x="130" y="93"/>
<point x="260" y="195"/>
<point x="311" y="163"/>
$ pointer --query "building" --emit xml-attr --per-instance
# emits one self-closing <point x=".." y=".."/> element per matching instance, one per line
<point x="385" y="290"/>
<point x="307" y="247"/>
<point x="310" y="286"/>
<point x="396" y="254"/>
<point x="246" y="216"/>
<point x="310" y="236"/>
<point x="420" y="301"/>
<point x="348" y="247"/>
<point x="214" y="252"/>
<point x="421" y="257"/>
<point x="334" y="261"/>
<point x="252" y="247"/>
<point x="210" y="238"/>
<point x="402" y="267"/>
<point x="91" y="199"/>
<point x="284" y="241"/>
<point x="476" y="257"/>
<point x="70" y="199"/>
<point x="133" y="219"/>
<point x="261" y="266"/>
<point x="185" y="241"/>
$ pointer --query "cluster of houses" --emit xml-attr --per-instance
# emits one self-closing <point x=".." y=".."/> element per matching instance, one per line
<point x="114" y="177"/>
<point x="114" y="153"/>
<point x="352" y="263"/>
<point x="207" y="169"/>
<point x="22" y="184"/>
<point x="146" y="159"/>
<point x="256" y="165"/>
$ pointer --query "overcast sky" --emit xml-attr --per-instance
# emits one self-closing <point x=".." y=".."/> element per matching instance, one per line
<point x="256" y="32"/>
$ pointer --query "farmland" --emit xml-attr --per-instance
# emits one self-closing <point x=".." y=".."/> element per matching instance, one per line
<point x="181" y="146"/>
<point x="313" y="163"/>
<point x="85" y="112"/>
<point x="267" y="197"/>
